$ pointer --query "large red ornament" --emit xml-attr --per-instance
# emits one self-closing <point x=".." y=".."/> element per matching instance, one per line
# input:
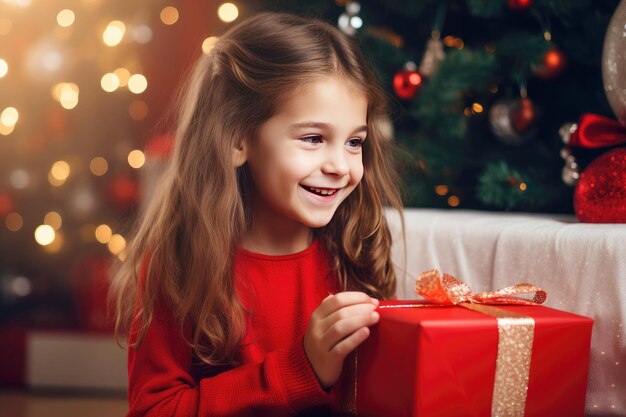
<point x="406" y="83"/>
<point x="553" y="64"/>
<point x="600" y="195"/>
<point x="520" y="5"/>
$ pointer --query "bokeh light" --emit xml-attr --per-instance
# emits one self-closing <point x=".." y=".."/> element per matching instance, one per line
<point x="122" y="75"/>
<point x="208" y="44"/>
<point x="98" y="166"/>
<point x="65" y="18"/>
<point x="138" y="109"/>
<point x="109" y="82"/>
<point x="9" y="116"/>
<point x="53" y="219"/>
<point x="103" y="233"/>
<point x="44" y="234"/>
<point x="14" y="221"/>
<point x="169" y="15"/>
<point x="136" y="159"/>
<point x="137" y="83"/>
<point x="116" y="244"/>
<point x="227" y="12"/>
<point x="4" y="68"/>
<point x="114" y="33"/>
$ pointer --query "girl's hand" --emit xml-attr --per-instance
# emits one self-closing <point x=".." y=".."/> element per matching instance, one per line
<point x="336" y="328"/>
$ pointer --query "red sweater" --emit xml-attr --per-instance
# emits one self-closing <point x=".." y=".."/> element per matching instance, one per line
<point x="275" y="378"/>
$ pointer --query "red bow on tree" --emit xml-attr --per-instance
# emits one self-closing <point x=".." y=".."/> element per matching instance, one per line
<point x="595" y="131"/>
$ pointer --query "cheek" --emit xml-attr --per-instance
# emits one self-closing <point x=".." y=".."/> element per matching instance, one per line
<point x="356" y="170"/>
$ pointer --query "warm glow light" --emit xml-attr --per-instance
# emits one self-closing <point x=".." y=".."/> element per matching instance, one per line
<point x="4" y="68"/>
<point x="136" y="159"/>
<point x="60" y="170"/>
<point x="66" y="94"/>
<point x="44" y="234"/>
<point x="142" y="34"/>
<point x="14" y="221"/>
<point x="56" y="244"/>
<point x="19" y="178"/>
<point x="53" y="219"/>
<point x="137" y="83"/>
<point x="208" y="44"/>
<point x="441" y="190"/>
<point x="103" y="234"/>
<point x="9" y="116"/>
<point x="20" y="3"/>
<point x="114" y="33"/>
<point x="122" y="75"/>
<point x="6" y="130"/>
<point x="522" y="186"/>
<point x="454" y="201"/>
<point x="98" y="166"/>
<point x="169" y="15"/>
<point x="138" y="110"/>
<point x="227" y="12"/>
<point x="109" y="82"/>
<point x="65" y="18"/>
<point x="116" y="244"/>
<point x="477" y="108"/>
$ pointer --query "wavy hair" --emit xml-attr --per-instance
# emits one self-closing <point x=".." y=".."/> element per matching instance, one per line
<point x="184" y="244"/>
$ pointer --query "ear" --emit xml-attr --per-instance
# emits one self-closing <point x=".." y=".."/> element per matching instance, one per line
<point x="240" y="155"/>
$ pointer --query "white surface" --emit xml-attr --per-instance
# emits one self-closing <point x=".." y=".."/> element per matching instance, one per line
<point x="581" y="266"/>
<point x="75" y="360"/>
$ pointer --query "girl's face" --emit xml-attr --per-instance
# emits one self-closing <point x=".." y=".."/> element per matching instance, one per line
<point x="308" y="157"/>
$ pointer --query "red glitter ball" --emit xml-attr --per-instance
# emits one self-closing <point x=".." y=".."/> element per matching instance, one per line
<point x="600" y="195"/>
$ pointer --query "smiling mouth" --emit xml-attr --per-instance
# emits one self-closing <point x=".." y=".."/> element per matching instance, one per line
<point x="321" y="191"/>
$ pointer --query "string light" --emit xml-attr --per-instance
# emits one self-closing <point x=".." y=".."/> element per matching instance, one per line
<point x="53" y="219"/>
<point x="227" y="12"/>
<point x="59" y="173"/>
<point x="116" y="244"/>
<point x="123" y="75"/>
<point x="454" y="201"/>
<point x="142" y="34"/>
<point x="9" y="116"/>
<point x="103" y="234"/>
<point x="109" y="82"/>
<point x="208" y="44"/>
<point x="136" y="159"/>
<point x="441" y="190"/>
<point x="114" y="33"/>
<point x="98" y="166"/>
<point x="65" y="18"/>
<point x="19" y="179"/>
<point x="169" y="15"/>
<point x="137" y="83"/>
<point x="14" y="221"/>
<point x="4" y="68"/>
<point x="44" y="235"/>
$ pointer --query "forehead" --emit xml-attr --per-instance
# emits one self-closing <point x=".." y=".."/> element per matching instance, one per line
<point x="333" y="100"/>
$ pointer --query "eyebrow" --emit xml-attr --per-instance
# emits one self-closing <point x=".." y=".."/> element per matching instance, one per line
<point x="321" y="125"/>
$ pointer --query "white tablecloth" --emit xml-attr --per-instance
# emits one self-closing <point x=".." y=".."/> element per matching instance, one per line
<point x="581" y="266"/>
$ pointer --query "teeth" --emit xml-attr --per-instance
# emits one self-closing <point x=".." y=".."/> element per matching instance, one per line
<point x="322" y="192"/>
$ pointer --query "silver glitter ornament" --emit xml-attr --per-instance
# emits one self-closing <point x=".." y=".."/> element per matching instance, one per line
<point x="566" y="130"/>
<point x="614" y="62"/>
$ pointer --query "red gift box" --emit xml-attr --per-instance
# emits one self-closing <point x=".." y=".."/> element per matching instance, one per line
<point x="441" y="361"/>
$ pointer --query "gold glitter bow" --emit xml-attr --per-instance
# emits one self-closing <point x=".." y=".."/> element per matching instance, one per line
<point x="447" y="290"/>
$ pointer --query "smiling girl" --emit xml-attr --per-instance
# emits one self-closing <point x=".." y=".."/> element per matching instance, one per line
<point x="258" y="265"/>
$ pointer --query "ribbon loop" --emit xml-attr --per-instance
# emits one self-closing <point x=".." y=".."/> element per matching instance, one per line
<point x="595" y="131"/>
<point x="447" y="290"/>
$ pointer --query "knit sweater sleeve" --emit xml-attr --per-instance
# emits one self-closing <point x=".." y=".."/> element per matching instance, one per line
<point x="269" y="383"/>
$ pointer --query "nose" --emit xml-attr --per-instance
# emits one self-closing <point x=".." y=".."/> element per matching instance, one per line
<point x="336" y="162"/>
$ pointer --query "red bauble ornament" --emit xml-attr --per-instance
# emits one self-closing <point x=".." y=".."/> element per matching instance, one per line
<point x="553" y="64"/>
<point x="123" y="192"/>
<point x="160" y="147"/>
<point x="6" y="204"/>
<point x="406" y="83"/>
<point x="600" y="195"/>
<point x="520" y="5"/>
<point x="89" y="278"/>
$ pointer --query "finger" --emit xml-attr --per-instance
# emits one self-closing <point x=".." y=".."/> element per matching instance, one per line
<point x="348" y="344"/>
<point x="344" y="328"/>
<point x="346" y="313"/>
<point x="342" y="299"/>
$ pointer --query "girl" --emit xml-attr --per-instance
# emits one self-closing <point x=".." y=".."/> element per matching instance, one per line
<point x="273" y="200"/>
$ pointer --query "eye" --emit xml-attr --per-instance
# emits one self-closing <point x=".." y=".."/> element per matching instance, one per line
<point x="355" y="143"/>
<point x="312" y="139"/>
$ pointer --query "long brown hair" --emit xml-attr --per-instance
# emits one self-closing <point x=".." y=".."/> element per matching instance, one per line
<point x="183" y="249"/>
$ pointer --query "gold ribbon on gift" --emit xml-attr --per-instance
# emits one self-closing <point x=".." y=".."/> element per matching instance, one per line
<point x="515" y="334"/>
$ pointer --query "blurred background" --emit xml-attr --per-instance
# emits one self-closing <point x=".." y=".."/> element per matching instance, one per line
<point x="485" y="96"/>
